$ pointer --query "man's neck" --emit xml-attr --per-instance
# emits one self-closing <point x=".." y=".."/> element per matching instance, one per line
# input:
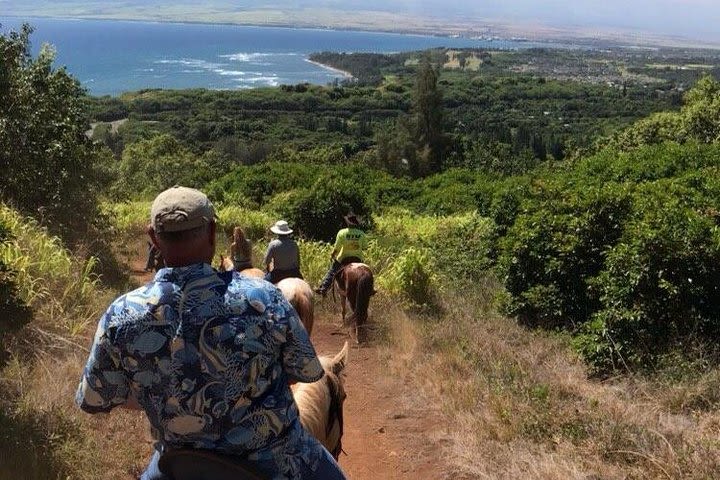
<point x="185" y="260"/>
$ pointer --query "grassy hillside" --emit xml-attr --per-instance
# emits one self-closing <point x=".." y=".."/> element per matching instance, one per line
<point x="43" y="435"/>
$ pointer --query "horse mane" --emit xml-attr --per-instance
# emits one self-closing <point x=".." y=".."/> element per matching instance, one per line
<point x="320" y="404"/>
<point x="300" y="296"/>
<point x="227" y="265"/>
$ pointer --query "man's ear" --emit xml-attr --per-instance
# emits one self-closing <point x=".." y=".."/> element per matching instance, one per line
<point x="153" y="236"/>
<point x="213" y="229"/>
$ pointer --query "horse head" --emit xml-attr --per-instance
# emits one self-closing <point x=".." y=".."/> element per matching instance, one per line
<point x="226" y="264"/>
<point x="321" y="403"/>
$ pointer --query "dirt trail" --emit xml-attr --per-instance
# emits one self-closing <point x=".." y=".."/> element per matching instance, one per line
<point x="387" y="433"/>
<point x="386" y="436"/>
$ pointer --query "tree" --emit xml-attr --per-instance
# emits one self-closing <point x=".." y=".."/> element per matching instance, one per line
<point x="428" y="111"/>
<point x="702" y="110"/>
<point x="396" y="150"/>
<point x="51" y="170"/>
<point x="462" y="59"/>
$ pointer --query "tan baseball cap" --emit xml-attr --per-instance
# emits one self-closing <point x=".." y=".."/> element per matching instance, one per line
<point x="180" y="208"/>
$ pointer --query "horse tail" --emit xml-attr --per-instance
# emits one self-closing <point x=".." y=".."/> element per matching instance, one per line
<point x="364" y="290"/>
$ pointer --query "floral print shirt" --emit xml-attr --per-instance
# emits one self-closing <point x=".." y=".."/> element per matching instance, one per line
<point x="208" y="356"/>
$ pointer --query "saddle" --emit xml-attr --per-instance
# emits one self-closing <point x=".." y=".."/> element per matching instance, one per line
<point x="343" y="266"/>
<point x="191" y="464"/>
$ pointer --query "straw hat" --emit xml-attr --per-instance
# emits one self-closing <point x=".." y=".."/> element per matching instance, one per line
<point x="281" y="227"/>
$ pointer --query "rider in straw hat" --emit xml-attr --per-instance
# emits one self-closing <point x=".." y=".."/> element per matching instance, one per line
<point x="349" y="245"/>
<point x="207" y="356"/>
<point x="282" y="254"/>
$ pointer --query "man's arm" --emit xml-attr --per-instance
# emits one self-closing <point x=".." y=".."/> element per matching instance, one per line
<point x="268" y="256"/>
<point x="103" y="385"/>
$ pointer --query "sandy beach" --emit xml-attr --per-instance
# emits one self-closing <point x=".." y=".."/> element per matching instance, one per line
<point x="344" y="73"/>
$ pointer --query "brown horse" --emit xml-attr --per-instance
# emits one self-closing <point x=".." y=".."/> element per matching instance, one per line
<point x="300" y="295"/>
<point x="321" y="403"/>
<point x="355" y="283"/>
<point x="226" y="265"/>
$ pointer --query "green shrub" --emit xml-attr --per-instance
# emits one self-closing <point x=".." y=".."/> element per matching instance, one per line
<point x="462" y="248"/>
<point x="318" y="213"/>
<point x="14" y="312"/>
<point x="258" y="183"/>
<point x="621" y="249"/>
<point x="129" y="216"/>
<point x="314" y="260"/>
<point x="552" y="251"/>
<point x="660" y="288"/>
<point x="410" y="276"/>
<point x="256" y="224"/>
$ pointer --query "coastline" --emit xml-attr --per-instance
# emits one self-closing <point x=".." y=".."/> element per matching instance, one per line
<point x="344" y="73"/>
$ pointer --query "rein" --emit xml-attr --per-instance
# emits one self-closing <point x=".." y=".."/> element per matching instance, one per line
<point x="335" y="413"/>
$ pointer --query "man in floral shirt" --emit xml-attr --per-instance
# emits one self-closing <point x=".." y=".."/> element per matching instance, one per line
<point x="208" y="356"/>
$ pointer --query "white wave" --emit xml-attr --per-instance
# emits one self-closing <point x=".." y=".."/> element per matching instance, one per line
<point x="252" y="57"/>
<point x="192" y="62"/>
<point x="244" y="57"/>
<point x="229" y="73"/>
<point x="272" y="81"/>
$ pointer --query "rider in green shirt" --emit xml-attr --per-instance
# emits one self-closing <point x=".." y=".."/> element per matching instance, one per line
<point x="349" y="245"/>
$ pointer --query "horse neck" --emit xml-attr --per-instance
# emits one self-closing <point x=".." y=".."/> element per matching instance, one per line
<point x="313" y="402"/>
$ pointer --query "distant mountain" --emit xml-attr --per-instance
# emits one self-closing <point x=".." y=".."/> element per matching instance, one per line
<point x="693" y="19"/>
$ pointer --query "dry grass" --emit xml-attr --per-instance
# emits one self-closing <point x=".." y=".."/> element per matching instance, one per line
<point x="43" y="435"/>
<point x="522" y="406"/>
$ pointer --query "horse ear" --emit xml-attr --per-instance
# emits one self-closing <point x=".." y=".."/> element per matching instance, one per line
<point x="340" y="360"/>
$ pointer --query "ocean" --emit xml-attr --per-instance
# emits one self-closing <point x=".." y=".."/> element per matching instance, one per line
<point x="110" y="57"/>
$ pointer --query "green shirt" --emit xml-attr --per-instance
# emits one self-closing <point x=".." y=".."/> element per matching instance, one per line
<point x="350" y="242"/>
